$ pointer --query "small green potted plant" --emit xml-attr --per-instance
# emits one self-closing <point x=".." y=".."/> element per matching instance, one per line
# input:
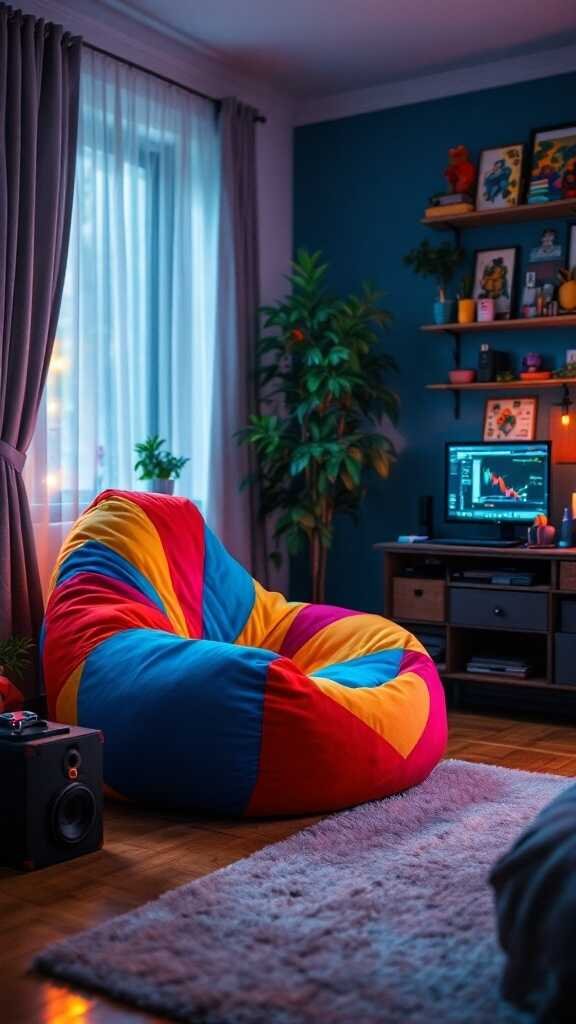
<point x="160" y="467"/>
<point x="466" y="304"/>
<point x="15" y="657"/>
<point x="439" y="262"/>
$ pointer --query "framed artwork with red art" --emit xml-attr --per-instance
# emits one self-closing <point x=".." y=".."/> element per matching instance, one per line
<point x="510" y="419"/>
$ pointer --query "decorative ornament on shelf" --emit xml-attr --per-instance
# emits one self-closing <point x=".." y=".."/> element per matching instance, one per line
<point x="461" y="175"/>
<point x="460" y="172"/>
<point x="15" y="658"/>
<point x="439" y="262"/>
<point x="567" y="289"/>
<point x="532" y="362"/>
<point x="541" y="533"/>
<point x="160" y="467"/>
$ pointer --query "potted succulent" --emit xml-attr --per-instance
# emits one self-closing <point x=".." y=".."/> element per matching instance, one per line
<point x="439" y="262"/>
<point x="15" y="657"/>
<point x="160" y="467"/>
<point x="466" y="304"/>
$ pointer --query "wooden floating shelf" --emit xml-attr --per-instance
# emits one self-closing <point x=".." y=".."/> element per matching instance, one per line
<point x="557" y="210"/>
<point x="522" y="324"/>
<point x="497" y="385"/>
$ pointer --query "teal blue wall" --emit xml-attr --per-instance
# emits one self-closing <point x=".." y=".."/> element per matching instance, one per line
<point x="361" y="185"/>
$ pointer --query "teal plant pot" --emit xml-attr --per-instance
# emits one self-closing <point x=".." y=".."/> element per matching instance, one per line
<point x="445" y="312"/>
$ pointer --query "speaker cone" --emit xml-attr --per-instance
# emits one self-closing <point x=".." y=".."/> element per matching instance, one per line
<point x="73" y="814"/>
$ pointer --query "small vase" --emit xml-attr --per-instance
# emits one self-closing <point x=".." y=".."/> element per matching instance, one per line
<point x="159" y="486"/>
<point x="444" y="311"/>
<point x="466" y="311"/>
<point x="486" y="310"/>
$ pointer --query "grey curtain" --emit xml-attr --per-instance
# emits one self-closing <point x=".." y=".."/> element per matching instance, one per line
<point x="231" y="513"/>
<point x="39" y="86"/>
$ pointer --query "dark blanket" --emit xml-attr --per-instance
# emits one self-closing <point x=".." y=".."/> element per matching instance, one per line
<point x="535" y="886"/>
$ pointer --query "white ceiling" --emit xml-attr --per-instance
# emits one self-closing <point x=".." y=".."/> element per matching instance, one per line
<point x="313" y="48"/>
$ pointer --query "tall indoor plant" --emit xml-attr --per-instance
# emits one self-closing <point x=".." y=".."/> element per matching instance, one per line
<point x="439" y="262"/>
<point x="321" y="371"/>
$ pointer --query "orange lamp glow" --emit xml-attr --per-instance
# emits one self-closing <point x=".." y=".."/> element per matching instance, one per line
<point x="565" y="419"/>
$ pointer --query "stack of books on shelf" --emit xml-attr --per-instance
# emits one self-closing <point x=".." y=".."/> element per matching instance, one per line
<point x="538" y="191"/>
<point x="517" y="668"/>
<point x="445" y="204"/>
<point x="434" y="643"/>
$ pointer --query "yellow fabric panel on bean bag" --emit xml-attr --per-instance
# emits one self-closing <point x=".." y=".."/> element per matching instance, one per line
<point x="397" y="710"/>
<point x="350" y="638"/>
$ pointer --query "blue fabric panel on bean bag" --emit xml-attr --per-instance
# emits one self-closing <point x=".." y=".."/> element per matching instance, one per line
<point x="229" y="592"/>
<point x="369" y="670"/>
<point x="182" y="719"/>
<point x="96" y="557"/>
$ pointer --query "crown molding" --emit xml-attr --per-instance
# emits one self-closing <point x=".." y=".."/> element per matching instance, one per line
<point x="542" y="64"/>
<point x="163" y="28"/>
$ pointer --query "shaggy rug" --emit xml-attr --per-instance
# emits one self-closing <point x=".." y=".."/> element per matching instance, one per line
<point x="378" y="915"/>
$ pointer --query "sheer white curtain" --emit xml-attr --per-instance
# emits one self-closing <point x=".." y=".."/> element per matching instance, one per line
<point x="135" y="341"/>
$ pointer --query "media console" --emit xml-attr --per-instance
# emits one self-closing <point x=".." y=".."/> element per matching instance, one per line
<point x="514" y="607"/>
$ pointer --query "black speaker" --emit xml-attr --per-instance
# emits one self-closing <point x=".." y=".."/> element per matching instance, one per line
<point x="491" y="362"/>
<point x="426" y="515"/>
<point x="50" y="794"/>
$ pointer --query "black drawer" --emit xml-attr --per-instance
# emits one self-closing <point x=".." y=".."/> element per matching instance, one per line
<point x="567" y="616"/>
<point x="565" y="670"/>
<point x="498" y="609"/>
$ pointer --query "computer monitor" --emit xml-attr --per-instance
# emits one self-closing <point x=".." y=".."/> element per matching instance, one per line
<point x="505" y="482"/>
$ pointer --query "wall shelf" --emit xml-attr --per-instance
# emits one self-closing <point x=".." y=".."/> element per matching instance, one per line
<point x="496" y="385"/>
<point x="561" y="209"/>
<point x="522" y="324"/>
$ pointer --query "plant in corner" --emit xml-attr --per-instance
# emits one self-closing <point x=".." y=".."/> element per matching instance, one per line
<point x="15" y="657"/>
<point x="322" y="370"/>
<point x="160" y="467"/>
<point x="439" y="262"/>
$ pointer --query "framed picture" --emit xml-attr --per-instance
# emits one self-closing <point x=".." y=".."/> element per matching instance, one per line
<point x="546" y="258"/>
<point x="571" y="250"/>
<point x="494" y="278"/>
<point x="499" y="177"/>
<point x="552" y="163"/>
<point x="510" y="419"/>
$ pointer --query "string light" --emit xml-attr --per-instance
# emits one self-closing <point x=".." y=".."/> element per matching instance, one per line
<point x="565" y="405"/>
<point x="52" y="481"/>
<point x="59" y="364"/>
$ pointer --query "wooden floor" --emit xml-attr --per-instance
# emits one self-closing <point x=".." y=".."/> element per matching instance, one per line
<point x="146" y="854"/>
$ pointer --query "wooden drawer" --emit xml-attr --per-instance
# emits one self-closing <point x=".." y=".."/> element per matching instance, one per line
<point x="567" y="575"/>
<point x="498" y="609"/>
<point x="565" y="668"/>
<point x="419" y="599"/>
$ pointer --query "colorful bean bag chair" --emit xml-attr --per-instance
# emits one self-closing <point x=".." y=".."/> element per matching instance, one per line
<point x="215" y="694"/>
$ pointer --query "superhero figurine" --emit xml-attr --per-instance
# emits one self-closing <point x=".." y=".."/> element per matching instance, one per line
<point x="460" y="173"/>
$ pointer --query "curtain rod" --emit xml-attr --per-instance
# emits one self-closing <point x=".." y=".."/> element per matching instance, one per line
<point x="163" y="78"/>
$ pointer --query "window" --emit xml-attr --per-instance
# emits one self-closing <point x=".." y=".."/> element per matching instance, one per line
<point x="135" y="340"/>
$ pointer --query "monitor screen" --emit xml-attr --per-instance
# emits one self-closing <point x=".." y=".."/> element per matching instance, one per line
<point x="502" y="482"/>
